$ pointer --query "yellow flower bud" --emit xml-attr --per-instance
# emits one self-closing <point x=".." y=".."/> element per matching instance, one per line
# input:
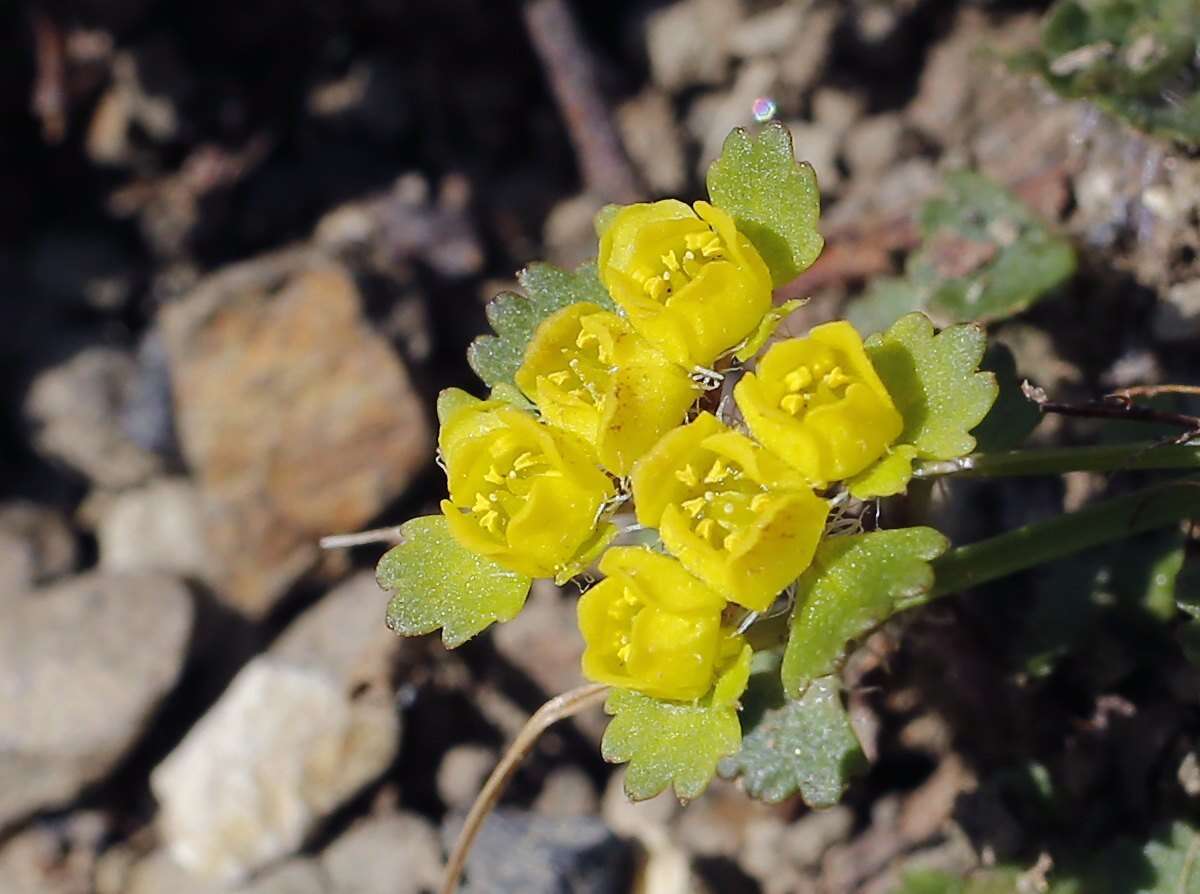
<point x="689" y="281"/>
<point x="591" y="374"/>
<point x="736" y="516"/>
<point x="521" y="493"/>
<point x="652" y="627"/>
<point x="818" y="403"/>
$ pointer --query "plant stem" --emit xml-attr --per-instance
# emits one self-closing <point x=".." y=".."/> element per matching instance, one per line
<point x="558" y="708"/>
<point x="1056" y="460"/>
<point x="1107" y="521"/>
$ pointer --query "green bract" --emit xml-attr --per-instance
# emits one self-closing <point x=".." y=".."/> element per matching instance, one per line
<point x="436" y="582"/>
<point x="773" y="198"/>
<point x="935" y="383"/>
<point x="496" y="358"/>
<point x="674" y="744"/>
<point x="855" y="583"/>
<point x="803" y="745"/>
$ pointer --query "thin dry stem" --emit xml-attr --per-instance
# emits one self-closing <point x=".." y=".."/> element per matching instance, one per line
<point x="558" y="708"/>
<point x="1153" y="390"/>
<point x="375" y="535"/>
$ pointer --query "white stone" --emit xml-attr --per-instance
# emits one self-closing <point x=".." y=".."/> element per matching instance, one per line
<point x="158" y="527"/>
<point x="282" y="748"/>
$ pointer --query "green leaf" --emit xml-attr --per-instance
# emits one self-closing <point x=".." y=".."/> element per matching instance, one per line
<point x="886" y="300"/>
<point x="888" y="477"/>
<point x="804" y="746"/>
<point x="1024" y="260"/>
<point x="854" y="584"/>
<point x="1168" y="863"/>
<point x="766" y="328"/>
<point x="437" y="582"/>
<point x="1013" y="416"/>
<point x="1000" y="880"/>
<point x="984" y="256"/>
<point x="772" y="198"/>
<point x="496" y="358"/>
<point x="668" y="743"/>
<point x="1133" y="59"/>
<point x="934" y="383"/>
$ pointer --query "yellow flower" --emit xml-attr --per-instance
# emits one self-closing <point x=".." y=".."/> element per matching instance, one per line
<point x="591" y="374"/>
<point x="521" y="493"/>
<point x="689" y="281"/>
<point x="738" y="518"/>
<point x="818" y="403"/>
<point x="652" y="627"/>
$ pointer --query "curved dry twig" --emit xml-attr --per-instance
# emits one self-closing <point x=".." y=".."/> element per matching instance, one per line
<point x="558" y="708"/>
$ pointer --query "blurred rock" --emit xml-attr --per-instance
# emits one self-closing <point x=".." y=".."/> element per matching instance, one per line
<point x="407" y="223"/>
<point x="53" y="858"/>
<point x="343" y="635"/>
<point x="461" y="774"/>
<point x="397" y="854"/>
<point x="804" y="58"/>
<point x="158" y="526"/>
<point x="83" y="666"/>
<point x="768" y="32"/>
<point x="543" y="641"/>
<point x="837" y="110"/>
<point x="74" y="409"/>
<point x="687" y="42"/>
<point x="808" y="838"/>
<point x="1177" y="315"/>
<point x="818" y="145"/>
<point x="712" y="117"/>
<point x="518" y="852"/>
<point x="297" y="418"/>
<point x="36" y="546"/>
<point x="568" y="791"/>
<point x="160" y="874"/>
<point x="569" y="232"/>
<point x="873" y="144"/>
<point x="282" y="748"/>
<point x="148" y="416"/>
<point x="653" y="140"/>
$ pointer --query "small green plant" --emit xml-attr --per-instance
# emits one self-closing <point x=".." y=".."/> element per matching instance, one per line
<point x="1136" y="59"/>
<point x="645" y="418"/>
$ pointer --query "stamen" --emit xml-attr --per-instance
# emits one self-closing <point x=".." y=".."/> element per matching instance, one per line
<point x="687" y="475"/>
<point x="694" y="506"/>
<point x="798" y="379"/>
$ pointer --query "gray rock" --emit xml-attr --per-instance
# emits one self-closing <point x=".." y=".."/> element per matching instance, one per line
<point x="83" y="666"/>
<point x="803" y="60"/>
<point x="398" y="854"/>
<point x="1177" y="316"/>
<point x="568" y="791"/>
<point x="873" y="144"/>
<point x="283" y="747"/>
<point x="36" y="546"/>
<point x="687" y="42"/>
<point x="771" y="31"/>
<point x="653" y="140"/>
<point x="75" y="408"/>
<point x="461" y="774"/>
<point x="158" y="873"/>
<point x="523" y="853"/>
<point x="156" y="527"/>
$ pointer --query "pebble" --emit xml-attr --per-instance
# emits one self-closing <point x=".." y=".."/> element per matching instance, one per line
<point x="326" y="429"/>
<point x="84" y="665"/>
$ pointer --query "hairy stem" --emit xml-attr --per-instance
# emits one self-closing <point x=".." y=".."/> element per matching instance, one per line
<point x="558" y="708"/>
<point x="1056" y="460"/>
<point x="1019" y="550"/>
<point x="1107" y="521"/>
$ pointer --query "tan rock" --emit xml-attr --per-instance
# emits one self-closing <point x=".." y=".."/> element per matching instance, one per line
<point x="297" y="418"/>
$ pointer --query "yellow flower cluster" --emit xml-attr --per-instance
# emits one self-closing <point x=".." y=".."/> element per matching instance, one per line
<point x="739" y="515"/>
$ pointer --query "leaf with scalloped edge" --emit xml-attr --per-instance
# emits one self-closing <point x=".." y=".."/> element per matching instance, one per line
<point x="771" y="321"/>
<point x="886" y="478"/>
<point x="805" y="745"/>
<point x="436" y="582"/>
<point x="674" y="743"/>
<point x="773" y="199"/>
<point x="854" y="584"/>
<point x="935" y="383"/>
<point x="514" y="317"/>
